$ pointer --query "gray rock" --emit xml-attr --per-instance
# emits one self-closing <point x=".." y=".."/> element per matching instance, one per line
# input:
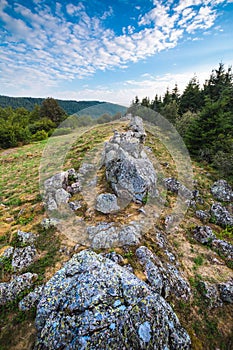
<point x="108" y="235"/>
<point x="23" y="257"/>
<point x="75" y="205"/>
<point x="222" y="191"/>
<point x="203" y="216"/>
<point x="211" y="292"/>
<point x="59" y="180"/>
<point x="203" y="234"/>
<point x="61" y="196"/>
<point x="223" y="248"/>
<point x="221" y="215"/>
<point x="128" y="168"/>
<point x="94" y="303"/>
<point x="26" y="237"/>
<point x="226" y="291"/>
<point x="175" y="186"/>
<point x="164" y="278"/>
<point x="10" y="291"/>
<point x="7" y="253"/>
<point x="106" y="203"/>
<point x="136" y="125"/>
<point x="117" y="258"/>
<point x="32" y="299"/>
<point x="48" y="223"/>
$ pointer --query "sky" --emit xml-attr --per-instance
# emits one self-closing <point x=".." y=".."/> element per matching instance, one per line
<point x="110" y="50"/>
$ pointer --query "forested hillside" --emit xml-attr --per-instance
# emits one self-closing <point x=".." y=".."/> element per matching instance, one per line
<point x="202" y="115"/>
<point x="70" y="107"/>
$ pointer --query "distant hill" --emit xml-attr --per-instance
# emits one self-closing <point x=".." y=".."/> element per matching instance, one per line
<point x="93" y="108"/>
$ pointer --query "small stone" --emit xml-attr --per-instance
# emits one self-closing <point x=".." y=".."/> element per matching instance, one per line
<point x="203" y="215"/>
<point x="203" y="234"/>
<point x="107" y="203"/>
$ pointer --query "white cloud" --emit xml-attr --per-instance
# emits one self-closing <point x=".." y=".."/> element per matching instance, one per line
<point x="55" y="47"/>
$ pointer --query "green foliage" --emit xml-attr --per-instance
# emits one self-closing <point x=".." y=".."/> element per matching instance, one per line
<point x="40" y="135"/>
<point x="51" y="110"/>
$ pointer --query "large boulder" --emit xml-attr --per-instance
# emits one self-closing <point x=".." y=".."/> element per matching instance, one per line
<point x="93" y="303"/>
<point x="222" y="191"/>
<point x="128" y="169"/>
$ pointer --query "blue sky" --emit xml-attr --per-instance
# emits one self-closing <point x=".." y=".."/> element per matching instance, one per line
<point x="110" y="50"/>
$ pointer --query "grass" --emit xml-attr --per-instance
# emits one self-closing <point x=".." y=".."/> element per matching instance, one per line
<point x="21" y="208"/>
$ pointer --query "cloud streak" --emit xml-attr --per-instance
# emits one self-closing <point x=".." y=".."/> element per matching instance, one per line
<point x="52" y="42"/>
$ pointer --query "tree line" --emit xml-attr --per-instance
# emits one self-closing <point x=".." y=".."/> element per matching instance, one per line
<point x="203" y="116"/>
<point x="20" y="126"/>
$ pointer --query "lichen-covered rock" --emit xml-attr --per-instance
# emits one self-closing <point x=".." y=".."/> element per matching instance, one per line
<point x="203" y="216"/>
<point x="93" y="303"/>
<point x="175" y="186"/>
<point x="203" y="234"/>
<point x="223" y="247"/>
<point x="108" y="235"/>
<point x="59" y="188"/>
<point x="26" y="237"/>
<point x="117" y="258"/>
<point x="9" y="291"/>
<point x="23" y="257"/>
<point x="32" y="299"/>
<point x="7" y="253"/>
<point x="222" y="191"/>
<point x="128" y="168"/>
<point x="106" y="203"/>
<point x="210" y="291"/>
<point x="164" y="277"/>
<point x="226" y="291"/>
<point x="221" y="215"/>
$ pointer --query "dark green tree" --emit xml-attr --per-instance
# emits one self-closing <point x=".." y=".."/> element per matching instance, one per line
<point x="192" y="97"/>
<point x="51" y="109"/>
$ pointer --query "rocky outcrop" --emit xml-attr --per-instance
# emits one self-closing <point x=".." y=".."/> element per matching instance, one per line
<point x="218" y="293"/>
<point x="128" y="169"/>
<point x="204" y="216"/>
<point x="222" y="191"/>
<point x="205" y="235"/>
<point x="175" y="186"/>
<point x="59" y="188"/>
<point x="164" y="278"/>
<point x="108" y="235"/>
<point x="94" y="303"/>
<point x="221" y="215"/>
<point x="9" y="291"/>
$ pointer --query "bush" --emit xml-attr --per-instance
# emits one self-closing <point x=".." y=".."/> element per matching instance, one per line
<point x="62" y="131"/>
<point x="40" y="135"/>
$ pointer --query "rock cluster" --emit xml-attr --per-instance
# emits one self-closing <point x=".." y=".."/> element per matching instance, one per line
<point x="94" y="303"/>
<point x="128" y="168"/>
<point x="222" y="191"/>
<point x="22" y="257"/>
<point x="59" y="188"/>
<point x="221" y="215"/>
<point x="218" y="293"/>
<point x="175" y="186"/>
<point x="164" y="278"/>
<point x="10" y="290"/>
<point x="205" y="235"/>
